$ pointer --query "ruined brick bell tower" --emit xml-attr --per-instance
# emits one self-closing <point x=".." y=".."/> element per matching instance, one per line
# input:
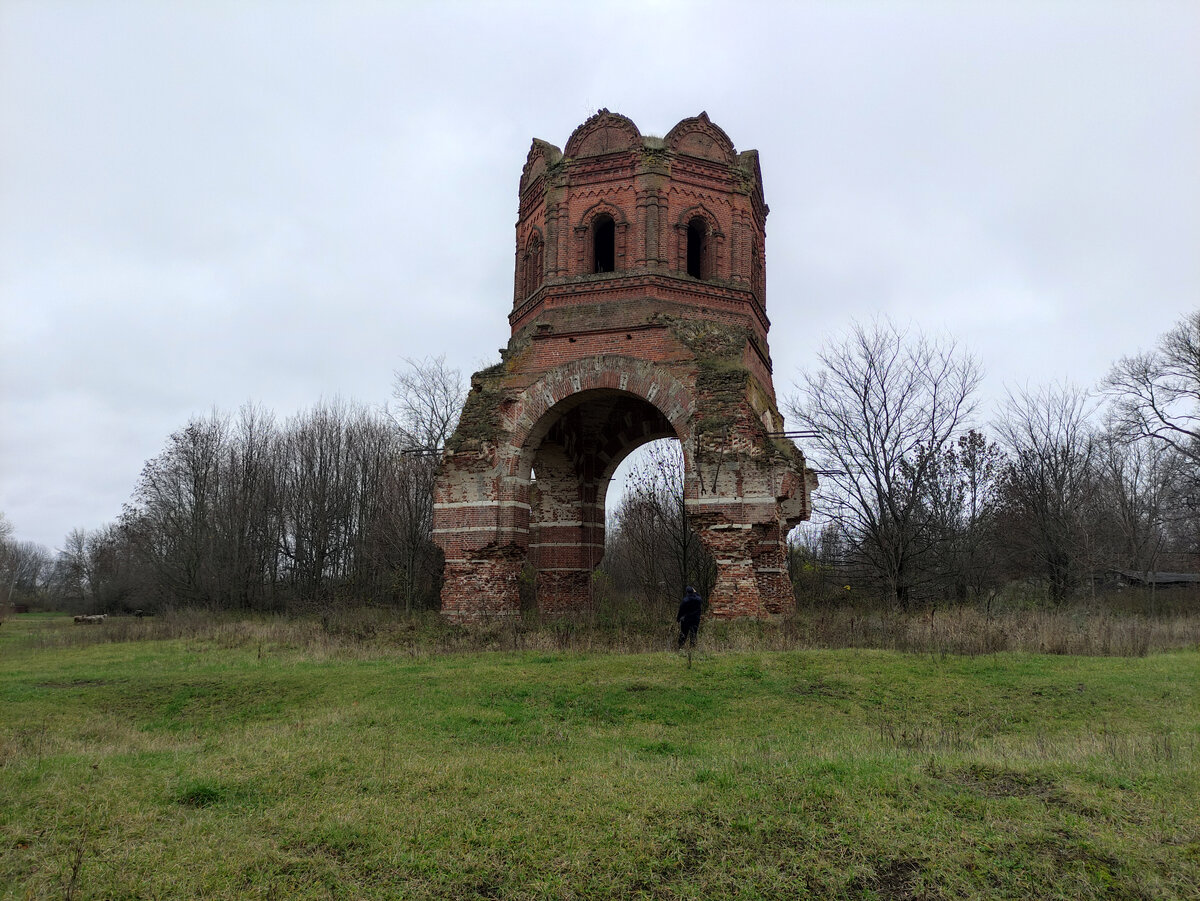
<point x="639" y="312"/>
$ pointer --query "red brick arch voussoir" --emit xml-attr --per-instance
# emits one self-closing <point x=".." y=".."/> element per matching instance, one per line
<point x="657" y="387"/>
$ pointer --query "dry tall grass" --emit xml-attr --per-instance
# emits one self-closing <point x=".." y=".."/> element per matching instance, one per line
<point x="1096" y="629"/>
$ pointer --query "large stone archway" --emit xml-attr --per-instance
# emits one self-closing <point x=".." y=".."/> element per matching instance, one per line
<point x="585" y="436"/>
<point x="602" y="361"/>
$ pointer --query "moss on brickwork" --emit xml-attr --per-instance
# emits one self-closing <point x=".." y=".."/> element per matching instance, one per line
<point x="480" y="419"/>
<point x="722" y="379"/>
<point x="721" y="389"/>
<point x="510" y="355"/>
<point x="516" y="357"/>
<point x="708" y="340"/>
<point x="492" y="372"/>
<point x="727" y="389"/>
<point x="655" y="156"/>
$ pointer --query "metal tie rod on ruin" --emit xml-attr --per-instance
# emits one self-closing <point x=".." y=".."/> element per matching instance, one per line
<point x="422" y="451"/>
<point x="803" y="433"/>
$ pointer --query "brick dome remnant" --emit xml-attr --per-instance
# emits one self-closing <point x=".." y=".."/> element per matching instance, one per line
<point x="639" y="312"/>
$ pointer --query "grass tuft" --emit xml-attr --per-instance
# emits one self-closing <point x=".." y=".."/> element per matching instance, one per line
<point x="200" y="793"/>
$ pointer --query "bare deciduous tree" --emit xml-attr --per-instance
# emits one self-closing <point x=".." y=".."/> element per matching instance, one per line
<point x="315" y="502"/>
<point x="255" y="516"/>
<point x="1156" y="395"/>
<point x="245" y="530"/>
<point x="24" y="566"/>
<point x="1136" y="480"/>
<point x="885" y="405"/>
<point x="653" y="549"/>
<point x="1049" y="484"/>
<point x="963" y="493"/>
<point x="427" y="399"/>
<point x="173" y="506"/>
<point x="816" y="556"/>
<point x="85" y="572"/>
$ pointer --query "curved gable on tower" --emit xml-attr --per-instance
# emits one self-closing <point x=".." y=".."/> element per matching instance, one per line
<point x="542" y="155"/>
<point x="699" y="137"/>
<point x="604" y="133"/>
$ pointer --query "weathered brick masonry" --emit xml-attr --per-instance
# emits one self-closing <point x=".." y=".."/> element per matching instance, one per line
<point x="639" y="312"/>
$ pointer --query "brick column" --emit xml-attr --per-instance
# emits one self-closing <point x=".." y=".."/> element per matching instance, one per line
<point x="483" y="585"/>
<point x="480" y="521"/>
<point x="563" y="591"/>
<point x="645" y="252"/>
<point x="770" y="571"/>
<point x="735" y="593"/>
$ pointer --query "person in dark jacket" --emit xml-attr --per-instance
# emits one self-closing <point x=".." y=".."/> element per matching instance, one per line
<point x="688" y="616"/>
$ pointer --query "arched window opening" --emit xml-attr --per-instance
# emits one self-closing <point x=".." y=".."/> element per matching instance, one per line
<point x="533" y="265"/>
<point x="604" y="244"/>
<point x="697" y="248"/>
<point x="756" y="273"/>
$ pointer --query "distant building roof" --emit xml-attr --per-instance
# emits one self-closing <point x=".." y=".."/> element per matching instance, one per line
<point x="1158" y="578"/>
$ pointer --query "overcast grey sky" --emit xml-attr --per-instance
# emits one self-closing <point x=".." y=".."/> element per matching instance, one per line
<point x="204" y="204"/>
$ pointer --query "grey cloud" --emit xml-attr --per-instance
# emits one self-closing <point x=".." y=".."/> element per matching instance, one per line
<point x="205" y="204"/>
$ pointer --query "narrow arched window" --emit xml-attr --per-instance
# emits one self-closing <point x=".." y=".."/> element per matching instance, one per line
<point x="533" y="264"/>
<point x="604" y="244"/>
<point x="697" y="248"/>
<point x="756" y="269"/>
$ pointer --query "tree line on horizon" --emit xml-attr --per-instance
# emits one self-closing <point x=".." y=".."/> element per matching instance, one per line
<point x="1070" y="488"/>
<point x="332" y="506"/>
<point x="921" y="502"/>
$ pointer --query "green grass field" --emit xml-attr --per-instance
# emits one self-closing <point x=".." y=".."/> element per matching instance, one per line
<point x="222" y="768"/>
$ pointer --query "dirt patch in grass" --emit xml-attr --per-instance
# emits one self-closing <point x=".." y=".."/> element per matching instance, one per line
<point x="1000" y="783"/>
<point x="821" y="688"/>
<point x="893" y="880"/>
<point x="1074" y="853"/>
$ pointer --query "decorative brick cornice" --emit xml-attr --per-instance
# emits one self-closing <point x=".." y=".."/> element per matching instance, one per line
<point x="626" y="285"/>
<point x="540" y="335"/>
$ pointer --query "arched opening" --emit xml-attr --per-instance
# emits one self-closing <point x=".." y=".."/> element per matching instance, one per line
<point x="575" y="448"/>
<point x="604" y="244"/>
<point x="697" y="248"/>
